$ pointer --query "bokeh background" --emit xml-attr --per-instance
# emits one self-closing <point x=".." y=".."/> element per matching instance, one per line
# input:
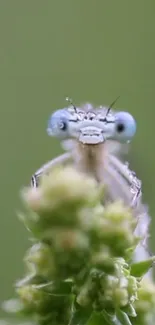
<point x="90" y="50"/>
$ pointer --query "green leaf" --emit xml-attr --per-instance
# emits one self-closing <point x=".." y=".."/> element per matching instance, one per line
<point x="80" y="316"/>
<point x="123" y="317"/>
<point x="97" y="319"/>
<point x="111" y="319"/>
<point x="141" y="268"/>
<point x="130" y="310"/>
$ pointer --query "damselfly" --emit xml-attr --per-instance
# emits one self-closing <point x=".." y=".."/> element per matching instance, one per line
<point x="93" y="139"/>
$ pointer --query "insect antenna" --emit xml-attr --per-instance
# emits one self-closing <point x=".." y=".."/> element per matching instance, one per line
<point x="111" y="105"/>
<point x="69" y="100"/>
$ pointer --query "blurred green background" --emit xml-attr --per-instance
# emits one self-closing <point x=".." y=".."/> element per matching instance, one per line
<point x="88" y="50"/>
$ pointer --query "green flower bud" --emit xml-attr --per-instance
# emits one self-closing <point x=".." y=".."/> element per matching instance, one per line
<point x="132" y="288"/>
<point x="64" y="187"/>
<point x="146" y="297"/>
<point x="33" y="299"/>
<point x="40" y="260"/>
<point x="114" y="226"/>
<point x="103" y="260"/>
<point x="84" y="297"/>
<point x="72" y="251"/>
<point x="63" y="190"/>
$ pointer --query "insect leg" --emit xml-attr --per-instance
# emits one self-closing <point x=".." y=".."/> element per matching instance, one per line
<point x="117" y="186"/>
<point x="125" y="186"/>
<point x="47" y="167"/>
<point x="130" y="177"/>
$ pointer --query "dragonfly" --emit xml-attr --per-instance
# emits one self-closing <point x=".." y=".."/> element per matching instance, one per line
<point x="93" y="139"/>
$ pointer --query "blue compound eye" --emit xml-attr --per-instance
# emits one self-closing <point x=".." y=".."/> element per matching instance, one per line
<point x="58" y="124"/>
<point x="125" y="126"/>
